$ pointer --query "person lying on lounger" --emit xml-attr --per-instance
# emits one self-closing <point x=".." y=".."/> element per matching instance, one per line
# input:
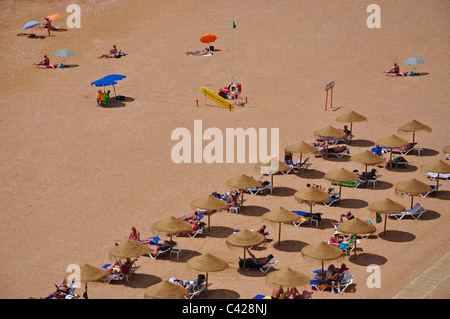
<point x="257" y="261"/>
<point x="60" y="292"/>
<point x="189" y="285"/>
<point x="202" y="52"/>
<point x="190" y="217"/>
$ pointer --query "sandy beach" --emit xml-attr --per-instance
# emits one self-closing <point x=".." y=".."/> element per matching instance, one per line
<point x="74" y="177"/>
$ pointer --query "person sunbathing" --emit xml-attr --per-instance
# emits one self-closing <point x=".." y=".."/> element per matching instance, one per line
<point x="394" y="70"/>
<point x="190" y="217"/>
<point x="189" y="285"/>
<point x="124" y="266"/>
<point x="60" y="292"/>
<point x="257" y="261"/>
<point x="134" y="235"/>
<point x="45" y="62"/>
<point x="231" y="201"/>
<point x="262" y="230"/>
<point x="197" y="52"/>
<point x="113" y="53"/>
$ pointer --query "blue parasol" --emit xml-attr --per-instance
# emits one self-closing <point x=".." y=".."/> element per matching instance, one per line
<point x="31" y="24"/>
<point x="413" y="61"/>
<point x="109" y="80"/>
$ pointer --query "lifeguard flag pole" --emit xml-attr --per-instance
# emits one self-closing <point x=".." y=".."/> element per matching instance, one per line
<point x="328" y="87"/>
<point x="231" y="68"/>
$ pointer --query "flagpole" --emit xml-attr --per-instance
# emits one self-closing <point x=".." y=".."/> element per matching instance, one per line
<point x="231" y="68"/>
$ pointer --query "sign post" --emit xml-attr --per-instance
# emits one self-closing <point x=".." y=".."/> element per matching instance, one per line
<point x="328" y="87"/>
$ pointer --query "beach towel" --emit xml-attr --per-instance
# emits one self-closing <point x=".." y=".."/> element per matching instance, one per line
<point x="50" y="66"/>
<point x="397" y="74"/>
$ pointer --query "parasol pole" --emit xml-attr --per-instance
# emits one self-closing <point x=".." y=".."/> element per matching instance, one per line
<point x="279" y="233"/>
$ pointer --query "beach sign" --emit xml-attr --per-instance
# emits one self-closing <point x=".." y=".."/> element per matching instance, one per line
<point x="328" y="87"/>
<point x="216" y="98"/>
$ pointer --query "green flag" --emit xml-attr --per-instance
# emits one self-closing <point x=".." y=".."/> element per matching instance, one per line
<point x="234" y="25"/>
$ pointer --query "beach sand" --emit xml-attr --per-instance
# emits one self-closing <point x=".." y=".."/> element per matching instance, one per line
<point x="76" y="177"/>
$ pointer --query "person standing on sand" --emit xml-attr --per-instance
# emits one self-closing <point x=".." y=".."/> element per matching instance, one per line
<point x="48" y="25"/>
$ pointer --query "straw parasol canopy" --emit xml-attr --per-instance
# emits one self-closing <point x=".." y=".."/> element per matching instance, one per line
<point x="386" y="206"/>
<point x="207" y="263"/>
<point x="245" y="239"/>
<point x="329" y="131"/>
<point x="367" y="158"/>
<point x="414" y="126"/>
<point x="302" y="148"/>
<point x="351" y="117"/>
<point x="242" y="182"/>
<point x="356" y="226"/>
<point x="171" y="225"/>
<point x="88" y="273"/>
<point x="128" y="250"/>
<point x="323" y="252"/>
<point x="280" y="215"/>
<point x="412" y="187"/>
<point x="208" y="204"/>
<point x="166" y="290"/>
<point x="287" y="277"/>
<point x="272" y="167"/>
<point x="311" y="195"/>
<point x="439" y="167"/>
<point x="392" y="141"/>
<point x="340" y="176"/>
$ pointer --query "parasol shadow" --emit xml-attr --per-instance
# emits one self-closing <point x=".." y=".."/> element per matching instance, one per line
<point x="290" y="246"/>
<point x="397" y="236"/>
<point x="366" y="259"/>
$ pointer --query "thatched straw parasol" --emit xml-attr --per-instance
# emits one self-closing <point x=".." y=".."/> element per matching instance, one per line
<point x="171" y="225"/>
<point x="356" y="226"/>
<point x="128" y="250"/>
<point x="287" y="277"/>
<point x="208" y="204"/>
<point x="207" y="263"/>
<point x="271" y="168"/>
<point x="302" y="148"/>
<point x="386" y="206"/>
<point x="245" y="239"/>
<point x="367" y="158"/>
<point x="242" y="182"/>
<point x="323" y="252"/>
<point x="311" y="195"/>
<point x="280" y="215"/>
<point x="414" y="126"/>
<point x="412" y="187"/>
<point x="392" y="141"/>
<point x="88" y="273"/>
<point x="439" y="167"/>
<point x="166" y="290"/>
<point x="340" y="176"/>
<point x="351" y="117"/>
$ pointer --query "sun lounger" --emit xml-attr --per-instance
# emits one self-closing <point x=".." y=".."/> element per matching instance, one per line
<point x="297" y="166"/>
<point x="118" y="274"/>
<point x="435" y="176"/>
<point x="331" y="201"/>
<point x="414" y="212"/>
<point x="354" y="184"/>
<point x="432" y="191"/>
<point x="255" y="191"/>
<point x="164" y="250"/>
<point x="338" y="151"/>
<point x="249" y="264"/>
<point x="402" y="150"/>
<point x="305" y="217"/>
